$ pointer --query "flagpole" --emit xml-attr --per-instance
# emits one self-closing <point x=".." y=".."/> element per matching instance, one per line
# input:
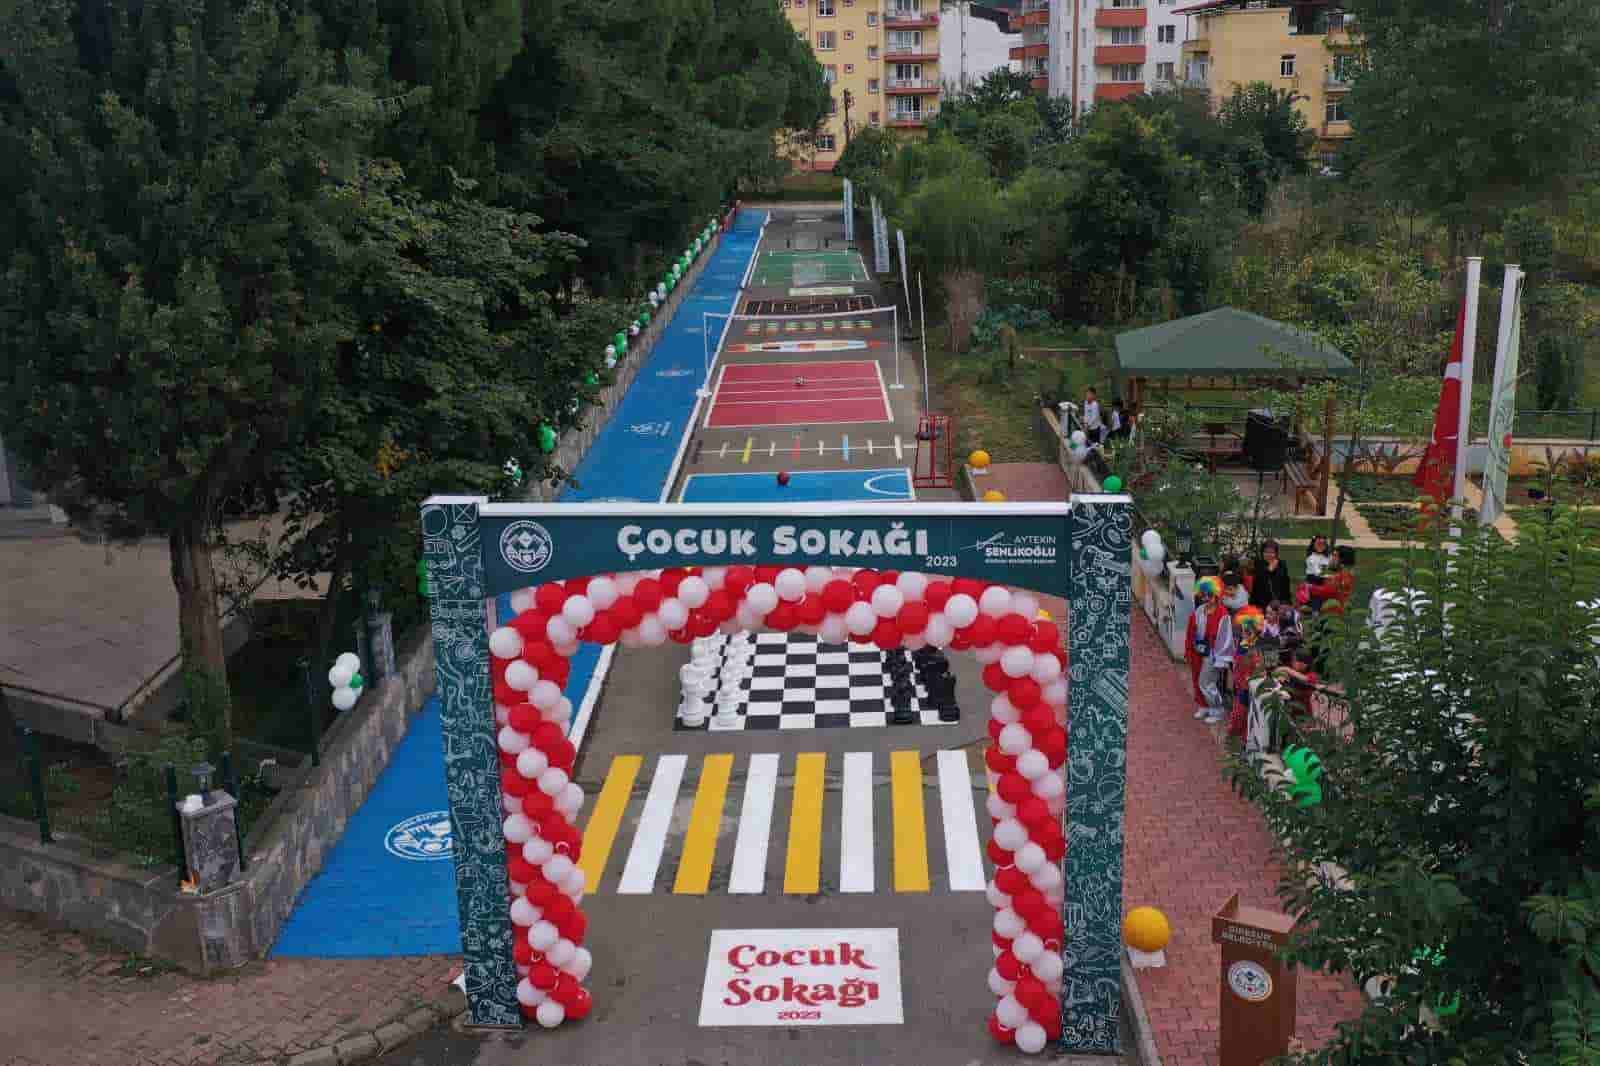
<point x="1504" y="369"/>
<point x="1469" y="342"/>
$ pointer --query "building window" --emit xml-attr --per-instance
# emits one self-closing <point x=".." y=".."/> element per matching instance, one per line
<point x="872" y="117"/>
<point x="1125" y="72"/>
<point x="872" y="85"/>
<point x="1343" y="70"/>
<point x="906" y="41"/>
<point x="830" y="74"/>
<point x="1127" y="34"/>
<point x="827" y="40"/>
<point x="1286" y="66"/>
<point x="1329" y="159"/>
<point x="1334" y="111"/>
<point x="825" y="9"/>
<point x="1127" y="3"/>
<point x="872" y="51"/>
<point x="872" y="18"/>
<point x="849" y="35"/>
<point x="1164" y="71"/>
<point x="833" y="105"/>
<point x="849" y="68"/>
<point x="1167" y="34"/>
<point x="906" y="74"/>
<point x="825" y="142"/>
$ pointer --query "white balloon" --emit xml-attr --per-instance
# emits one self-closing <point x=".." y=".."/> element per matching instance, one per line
<point x="989" y="653"/>
<point x="630" y="639"/>
<point x="1047" y="785"/>
<point x="559" y="630"/>
<point x="350" y="661"/>
<point x="1032" y="763"/>
<point x="626" y="583"/>
<point x="573" y="884"/>
<point x="1157" y="551"/>
<point x="861" y="619"/>
<point x="1046" y="668"/>
<point x="1008" y="924"/>
<point x="1027" y="947"/>
<point x="652" y="633"/>
<point x="561" y="953"/>
<point x="999" y="985"/>
<point x="1046" y="878"/>
<point x="1151" y="566"/>
<point x="532" y="763"/>
<point x="1003" y="711"/>
<point x="552" y="781"/>
<point x="887" y="600"/>
<point x="693" y="592"/>
<point x="502" y="714"/>
<point x="521" y="675"/>
<point x="521" y="600"/>
<point x="673" y="613"/>
<point x="582" y="962"/>
<point x="745" y="617"/>
<point x="538" y="851"/>
<point x="512" y="742"/>
<point x="762" y="598"/>
<point x="1015" y="739"/>
<point x="563" y="711"/>
<point x="566" y="649"/>
<point x="1010" y="834"/>
<point x="1026" y="604"/>
<point x="833" y="630"/>
<point x="999" y="808"/>
<point x="1030" y="857"/>
<point x="505" y="643"/>
<point x="570" y="801"/>
<point x="997" y="899"/>
<point x="518" y="828"/>
<point x="511" y="804"/>
<point x="542" y="936"/>
<point x="1017" y="661"/>
<point x="524" y="913"/>
<point x="912" y="585"/>
<point x="578" y="610"/>
<point x="961" y="609"/>
<point x="339" y="677"/>
<point x="996" y="601"/>
<point x="550" y="1013"/>
<point x="556" y="868"/>
<point x="1055" y="694"/>
<point x="791" y="584"/>
<point x="544" y="694"/>
<point x="1010" y="1012"/>
<point x="1030" y="1038"/>
<point x="528" y="995"/>
<point x="817" y="577"/>
<point x="1047" y="967"/>
<point x="939" y="632"/>
<point x="345" y="698"/>
<point x="1149" y="538"/>
<point x="1079" y="437"/>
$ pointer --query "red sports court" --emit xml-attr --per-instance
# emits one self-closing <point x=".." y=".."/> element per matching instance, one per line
<point x="799" y="394"/>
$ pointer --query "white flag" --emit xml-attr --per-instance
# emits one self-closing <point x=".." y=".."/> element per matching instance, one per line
<point x="1503" y="405"/>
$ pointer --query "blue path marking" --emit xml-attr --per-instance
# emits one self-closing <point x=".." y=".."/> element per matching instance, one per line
<point x="369" y="902"/>
<point x="805" y="486"/>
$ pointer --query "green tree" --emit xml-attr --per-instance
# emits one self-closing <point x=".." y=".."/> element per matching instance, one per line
<point x="1258" y="112"/>
<point x="167" y="291"/>
<point x="1456" y="847"/>
<point x="867" y="161"/>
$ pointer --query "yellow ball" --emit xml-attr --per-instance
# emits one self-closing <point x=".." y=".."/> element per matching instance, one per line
<point x="994" y="496"/>
<point x="979" y="460"/>
<point x="1146" y="929"/>
<point x="1044" y="616"/>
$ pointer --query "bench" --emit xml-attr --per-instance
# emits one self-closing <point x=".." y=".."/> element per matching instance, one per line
<point x="1299" y="480"/>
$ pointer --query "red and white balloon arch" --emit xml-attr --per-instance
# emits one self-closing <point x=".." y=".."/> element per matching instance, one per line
<point x="1024" y="666"/>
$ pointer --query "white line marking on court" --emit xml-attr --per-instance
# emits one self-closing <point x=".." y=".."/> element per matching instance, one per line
<point x="712" y="405"/>
<point x="749" y="873"/>
<point x="855" y="824"/>
<point x="961" y="850"/>
<point x="772" y="449"/>
<point x="885" y="387"/>
<point x="650" y="839"/>
<point x="819" y="447"/>
<point x="863" y="387"/>
<point x="722" y="452"/>
<point x="869" y="445"/>
<point x="897" y="452"/>
<point x="870" y="485"/>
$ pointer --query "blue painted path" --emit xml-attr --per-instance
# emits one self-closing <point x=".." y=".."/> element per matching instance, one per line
<point x="805" y="486"/>
<point x="380" y="893"/>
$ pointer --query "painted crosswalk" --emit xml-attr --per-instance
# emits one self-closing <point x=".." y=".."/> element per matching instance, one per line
<point x="796" y="824"/>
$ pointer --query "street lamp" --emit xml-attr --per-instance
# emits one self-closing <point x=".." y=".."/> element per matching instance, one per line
<point x="1185" y="544"/>
<point x="203" y="772"/>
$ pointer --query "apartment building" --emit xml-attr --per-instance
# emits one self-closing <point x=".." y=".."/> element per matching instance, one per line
<point x="1305" y="48"/>
<point x="1091" y="50"/>
<point x="884" y="53"/>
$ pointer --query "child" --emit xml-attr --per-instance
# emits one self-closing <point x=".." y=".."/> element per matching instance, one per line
<point x="1317" y="559"/>
<point x="1120" y="426"/>
<point x="1093" y="427"/>
<point x="1234" y="595"/>
<point x="1209" y="648"/>
<point x="1300" y="680"/>
<point x="1251" y="623"/>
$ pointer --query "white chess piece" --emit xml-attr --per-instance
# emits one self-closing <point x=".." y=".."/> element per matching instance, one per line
<point x="692" y="711"/>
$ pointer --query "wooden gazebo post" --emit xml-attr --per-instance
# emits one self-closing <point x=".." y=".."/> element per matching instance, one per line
<point x="1327" y="453"/>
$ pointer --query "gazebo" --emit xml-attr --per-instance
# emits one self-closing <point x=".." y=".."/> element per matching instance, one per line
<point x="1230" y="351"/>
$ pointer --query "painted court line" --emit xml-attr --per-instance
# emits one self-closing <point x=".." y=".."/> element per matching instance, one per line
<point x="961" y="851"/>
<point x="855" y="824"/>
<point x="749" y="874"/>
<point x="705" y="823"/>
<point x="650" y="840"/>
<point x="910" y="826"/>
<point x="606" y="818"/>
<point x="802" y="874"/>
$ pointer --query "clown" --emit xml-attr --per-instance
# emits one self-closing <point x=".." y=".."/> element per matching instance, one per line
<point x="1209" y="647"/>
<point x="1251" y="623"/>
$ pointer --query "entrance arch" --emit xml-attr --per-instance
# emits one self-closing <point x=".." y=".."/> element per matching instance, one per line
<point x="1059" y="909"/>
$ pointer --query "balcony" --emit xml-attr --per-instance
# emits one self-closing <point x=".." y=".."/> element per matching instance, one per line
<point x="911" y="53"/>
<point x="910" y="86"/>
<point x="1117" y="90"/>
<point x="1121" y="16"/>
<point x="1335" y="131"/>
<point x="1040" y="84"/>
<point x="1334" y="84"/>
<point x="1196" y="45"/>
<point x="1107" y="55"/>
<point x="910" y="20"/>
<point x="1031" y="51"/>
<point x="1031" y="18"/>
<point x="910" y="120"/>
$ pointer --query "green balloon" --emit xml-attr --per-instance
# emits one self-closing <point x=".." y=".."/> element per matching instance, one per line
<point x="644" y="319"/>
<point x="1113" y="484"/>
<point x="547" y="439"/>
<point x="356" y="681"/>
<point x="1307" y="770"/>
<point x="592" y="379"/>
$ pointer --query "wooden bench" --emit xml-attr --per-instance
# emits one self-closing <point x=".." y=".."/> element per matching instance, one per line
<point x="1300" y="481"/>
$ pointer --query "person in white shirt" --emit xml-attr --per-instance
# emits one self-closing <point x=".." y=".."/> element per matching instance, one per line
<point x="1318" y="557"/>
<point x="1093" y="427"/>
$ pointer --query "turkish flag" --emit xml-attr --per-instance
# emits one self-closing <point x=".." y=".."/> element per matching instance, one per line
<point x="1435" y="475"/>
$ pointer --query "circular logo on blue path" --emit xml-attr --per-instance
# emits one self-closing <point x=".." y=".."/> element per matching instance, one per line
<point x="526" y="546"/>
<point x="420" y="838"/>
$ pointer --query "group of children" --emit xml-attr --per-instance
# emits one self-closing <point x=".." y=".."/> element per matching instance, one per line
<point x="1241" y="617"/>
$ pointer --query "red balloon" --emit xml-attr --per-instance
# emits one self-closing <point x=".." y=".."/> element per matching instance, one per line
<point x="995" y="726"/>
<point x="1011" y="882"/>
<point x="571" y="843"/>
<point x="999" y="761"/>
<point x="547" y="736"/>
<point x="506" y="696"/>
<point x="737" y="579"/>
<point x="627" y="612"/>
<point x="564" y="987"/>
<point x="721" y="605"/>
<point x="1033" y="811"/>
<point x="865" y="581"/>
<point x="960" y="642"/>
<point x="579" y="1004"/>
<point x="671" y="578"/>
<point x="564" y="755"/>
<point x="1054" y="846"/>
<point x="982" y="631"/>
<point x="767" y="574"/>
<point x="540" y="891"/>
<point x="937" y="594"/>
<point x="550" y="597"/>
<point x="522" y="951"/>
<point x="682" y="636"/>
<point x="783" y="616"/>
<point x="560" y="909"/>
<point x="968" y="586"/>
<point x="519" y="869"/>
<point x="1014" y="629"/>
<point x="1014" y="788"/>
<point x="536" y="804"/>
<point x="1008" y="965"/>
<point x="838" y="595"/>
<point x="1054" y="747"/>
<point x="1045" y="637"/>
<point x="1030" y="992"/>
<point x="574" y="927"/>
<point x="541" y="655"/>
<point x="995" y="679"/>
<point x="702" y="623"/>
<point x="524" y="718"/>
<point x="514" y="784"/>
<point x="886" y="634"/>
<point x="1045" y="924"/>
<point x="558" y="673"/>
<point x="1052" y="1021"/>
<point x="1000" y="1032"/>
<point x="913" y="618"/>
<point x="811" y="610"/>
<point x="543" y="976"/>
<point x="998" y="855"/>
<point x="1001" y="942"/>
<point x="498" y="668"/>
<point x="648" y="593"/>
<point x="1040" y="720"/>
<point x="604" y="629"/>
<point x="530" y="624"/>
<point x="1024" y="692"/>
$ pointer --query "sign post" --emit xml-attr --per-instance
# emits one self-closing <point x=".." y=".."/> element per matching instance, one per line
<point x="1258" y="990"/>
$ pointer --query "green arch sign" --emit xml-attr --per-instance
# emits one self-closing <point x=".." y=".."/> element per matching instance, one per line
<point x="1080" y="551"/>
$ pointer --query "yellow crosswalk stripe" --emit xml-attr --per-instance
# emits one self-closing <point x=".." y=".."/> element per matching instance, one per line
<point x="910" y="826"/>
<point x="606" y="818"/>
<point x="749" y="442"/>
<point x="705" y="823"/>
<point x="802" y="873"/>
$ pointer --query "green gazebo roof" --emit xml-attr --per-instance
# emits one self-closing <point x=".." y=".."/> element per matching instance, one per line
<point x="1227" y="342"/>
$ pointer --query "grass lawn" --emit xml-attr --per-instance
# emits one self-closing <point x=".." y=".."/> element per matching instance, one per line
<point x="802" y="188"/>
<point x="1373" y="488"/>
<point x="1299" y="528"/>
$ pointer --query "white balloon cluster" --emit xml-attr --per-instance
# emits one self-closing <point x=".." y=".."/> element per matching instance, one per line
<point x="345" y="677"/>
<point x="1152" y="553"/>
<point x="1078" y="446"/>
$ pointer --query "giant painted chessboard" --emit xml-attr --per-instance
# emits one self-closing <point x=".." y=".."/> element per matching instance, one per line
<point x="797" y="682"/>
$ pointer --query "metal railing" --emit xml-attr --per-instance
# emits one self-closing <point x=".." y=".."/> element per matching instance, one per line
<point x="910" y="16"/>
<point x="1573" y="424"/>
<point x="912" y="83"/>
<point x="917" y="118"/>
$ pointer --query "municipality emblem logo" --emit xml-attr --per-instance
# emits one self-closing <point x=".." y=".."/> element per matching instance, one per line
<point x="526" y="546"/>
<point x="421" y="838"/>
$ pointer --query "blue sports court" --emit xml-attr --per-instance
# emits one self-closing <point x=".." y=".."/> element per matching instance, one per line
<point x="805" y="486"/>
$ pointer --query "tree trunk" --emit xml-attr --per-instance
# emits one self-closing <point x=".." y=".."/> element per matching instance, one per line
<point x="205" y="656"/>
